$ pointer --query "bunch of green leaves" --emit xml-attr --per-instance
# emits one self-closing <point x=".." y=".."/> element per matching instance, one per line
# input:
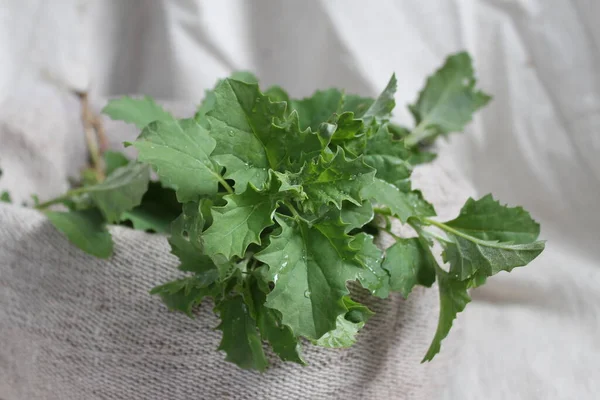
<point x="275" y="203"/>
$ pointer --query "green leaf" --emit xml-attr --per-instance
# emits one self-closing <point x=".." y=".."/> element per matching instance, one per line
<point x="389" y="158"/>
<point x="244" y="76"/>
<point x="347" y="326"/>
<point x="409" y="264"/>
<point x="385" y="103"/>
<point x="403" y="205"/>
<point x="114" y="160"/>
<point x="239" y="223"/>
<point x="346" y="127"/>
<point x="179" y="153"/>
<point x="318" y="108"/>
<point x="357" y="104"/>
<point x="158" y="209"/>
<point x="356" y="216"/>
<point x="240" y="341"/>
<point x="331" y="179"/>
<point x="5" y="197"/>
<point x="373" y="277"/>
<point x="281" y="338"/>
<point x="309" y="273"/>
<point x="139" y="112"/>
<point x="253" y="134"/>
<point x="486" y="219"/>
<point x="449" y="98"/>
<point x="85" y="229"/>
<point x="121" y="191"/>
<point x="184" y="294"/>
<point x="186" y="242"/>
<point x="453" y="299"/>
<point x="276" y="93"/>
<point x="468" y="255"/>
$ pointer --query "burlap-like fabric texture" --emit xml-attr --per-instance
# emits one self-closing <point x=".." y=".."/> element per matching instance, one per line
<point x="74" y="327"/>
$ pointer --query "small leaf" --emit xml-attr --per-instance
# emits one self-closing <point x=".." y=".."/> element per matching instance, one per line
<point x="121" y="191"/>
<point x="403" y="205"/>
<point x="468" y="255"/>
<point x="139" y="112"/>
<point x="239" y="223"/>
<point x="184" y="294"/>
<point x="409" y="264"/>
<point x="85" y="229"/>
<point x="373" y="277"/>
<point x="453" y="300"/>
<point x="449" y="98"/>
<point x="331" y="179"/>
<point x="347" y="326"/>
<point x="357" y="104"/>
<point x="179" y="152"/>
<point x="186" y="244"/>
<point x="240" y="340"/>
<point x="385" y="103"/>
<point x="486" y="219"/>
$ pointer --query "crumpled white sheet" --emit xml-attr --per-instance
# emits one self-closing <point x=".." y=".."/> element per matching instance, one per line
<point x="531" y="334"/>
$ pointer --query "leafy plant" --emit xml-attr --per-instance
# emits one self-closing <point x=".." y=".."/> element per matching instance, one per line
<point x="274" y="203"/>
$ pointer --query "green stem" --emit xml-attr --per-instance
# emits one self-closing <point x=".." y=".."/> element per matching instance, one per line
<point x="225" y="184"/>
<point x="389" y="232"/>
<point x="420" y="133"/>
<point x="293" y="210"/>
<point x="61" y="199"/>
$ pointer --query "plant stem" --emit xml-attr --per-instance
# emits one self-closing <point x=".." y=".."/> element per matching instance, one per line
<point x="291" y="207"/>
<point x="225" y="185"/>
<point x="421" y="132"/>
<point x="60" y="199"/>
<point x="93" y="134"/>
<point x="389" y="232"/>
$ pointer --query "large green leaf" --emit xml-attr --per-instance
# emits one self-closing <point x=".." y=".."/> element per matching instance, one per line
<point x="309" y="273"/>
<point x="239" y="223"/>
<point x="179" y="152"/>
<point x="486" y="219"/>
<point x="402" y="204"/>
<point x="408" y="264"/>
<point x="121" y="191"/>
<point x="253" y="134"/>
<point x="85" y="229"/>
<point x="139" y="112"/>
<point x="449" y="99"/>
<point x="240" y="340"/>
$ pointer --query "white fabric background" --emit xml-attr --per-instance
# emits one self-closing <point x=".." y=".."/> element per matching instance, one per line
<point x="531" y="334"/>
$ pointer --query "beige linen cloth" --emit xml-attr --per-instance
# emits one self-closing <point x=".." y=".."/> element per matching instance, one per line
<point x="76" y="327"/>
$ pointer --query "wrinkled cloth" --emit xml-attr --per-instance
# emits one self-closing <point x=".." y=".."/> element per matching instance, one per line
<point x="76" y="327"/>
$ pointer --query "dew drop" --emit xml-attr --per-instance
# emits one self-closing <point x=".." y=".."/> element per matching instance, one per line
<point x="231" y="133"/>
<point x="275" y="278"/>
<point x="307" y="294"/>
